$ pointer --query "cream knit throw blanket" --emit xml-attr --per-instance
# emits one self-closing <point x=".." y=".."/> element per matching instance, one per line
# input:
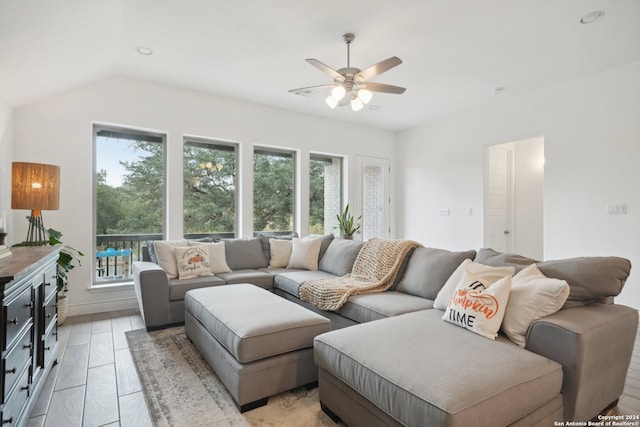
<point x="374" y="270"/>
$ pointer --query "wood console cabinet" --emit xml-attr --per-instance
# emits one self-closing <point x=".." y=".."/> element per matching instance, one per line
<point x="29" y="326"/>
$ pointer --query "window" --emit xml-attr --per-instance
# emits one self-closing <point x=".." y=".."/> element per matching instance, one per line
<point x="325" y="193"/>
<point x="273" y="190"/>
<point x="129" y="197"/>
<point x="209" y="188"/>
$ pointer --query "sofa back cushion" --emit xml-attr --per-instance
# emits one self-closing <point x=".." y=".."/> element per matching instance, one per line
<point x="590" y="279"/>
<point x="340" y="256"/>
<point x="493" y="258"/>
<point x="428" y="270"/>
<point x="266" y="247"/>
<point x="244" y="254"/>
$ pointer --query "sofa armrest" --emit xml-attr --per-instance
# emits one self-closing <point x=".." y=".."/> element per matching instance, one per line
<point x="594" y="344"/>
<point x="152" y="292"/>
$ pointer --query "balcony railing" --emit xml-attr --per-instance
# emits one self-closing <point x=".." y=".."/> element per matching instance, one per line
<point x="127" y="248"/>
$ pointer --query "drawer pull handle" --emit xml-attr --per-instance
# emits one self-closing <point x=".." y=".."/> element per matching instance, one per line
<point x="48" y="316"/>
<point x="14" y="321"/>
<point x="47" y="348"/>
<point x="29" y="346"/>
<point x="9" y="421"/>
<point x="25" y="387"/>
<point x="47" y="283"/>
<point x="11" y="371"/>
<point x="30" y="305"/>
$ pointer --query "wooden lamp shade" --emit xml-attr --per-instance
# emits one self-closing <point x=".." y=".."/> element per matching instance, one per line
<point x="35" y="186"/>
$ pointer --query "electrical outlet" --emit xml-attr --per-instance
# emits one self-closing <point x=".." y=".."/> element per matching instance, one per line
<point x="617" y="209"/>
<point x="445" y="212"/>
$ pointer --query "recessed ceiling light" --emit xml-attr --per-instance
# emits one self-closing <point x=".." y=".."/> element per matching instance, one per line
<point x="498" y="90"/>
<point x="592" y="17"/>
<point x="146" y="51"/>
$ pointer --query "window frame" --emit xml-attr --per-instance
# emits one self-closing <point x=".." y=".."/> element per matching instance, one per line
<point x="187" y="139"/>
<point x="328" y="157"/>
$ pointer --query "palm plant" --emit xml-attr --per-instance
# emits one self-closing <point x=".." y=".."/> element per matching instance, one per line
<point x="348" y="224"/>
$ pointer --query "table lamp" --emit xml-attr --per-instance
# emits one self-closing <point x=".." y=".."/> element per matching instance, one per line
<point x="36" y="187"/>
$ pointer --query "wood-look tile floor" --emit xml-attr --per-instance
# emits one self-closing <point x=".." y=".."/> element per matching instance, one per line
<point x="95" y="382"/>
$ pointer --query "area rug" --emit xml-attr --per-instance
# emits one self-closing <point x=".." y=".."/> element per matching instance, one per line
<point x="181" y="389"/>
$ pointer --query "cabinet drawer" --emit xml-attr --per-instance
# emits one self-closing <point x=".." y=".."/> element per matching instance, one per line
<point x="50" y="344"/>
<point x="50" y="281"/>
<point x="17" y="313"/>
<point x="50" y="312"/>
<point x="15" y="361"/>
<point x="17" y="400"/>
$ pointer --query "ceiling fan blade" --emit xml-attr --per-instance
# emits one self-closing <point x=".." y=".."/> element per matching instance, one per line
<point x="326" y="69"/>
<point x="310" y="90"/>
<point x="381" y="87"/>
<point x="378" y="68"/>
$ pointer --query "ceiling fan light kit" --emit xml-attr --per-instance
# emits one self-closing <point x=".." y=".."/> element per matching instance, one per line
<point x="350" y="85"/>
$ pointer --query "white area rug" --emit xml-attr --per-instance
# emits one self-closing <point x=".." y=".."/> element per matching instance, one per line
<point x="181" y="389"/>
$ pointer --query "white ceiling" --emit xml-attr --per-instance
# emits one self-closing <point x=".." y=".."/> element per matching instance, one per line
<point x="455" y="52"/>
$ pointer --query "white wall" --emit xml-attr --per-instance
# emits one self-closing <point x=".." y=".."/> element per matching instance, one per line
<point x="59" y="131"/>
<point x="6" y="147"/>
<point x="591" y="131"/>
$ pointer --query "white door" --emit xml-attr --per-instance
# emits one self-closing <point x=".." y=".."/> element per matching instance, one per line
<point x="372" y="196"/>
<point x="498" y="198"/>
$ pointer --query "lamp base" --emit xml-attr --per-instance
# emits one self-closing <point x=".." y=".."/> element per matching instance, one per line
<point x="37" y="234"/>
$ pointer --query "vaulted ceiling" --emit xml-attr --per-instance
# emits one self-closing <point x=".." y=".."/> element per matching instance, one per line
<point x="455" y="52"/>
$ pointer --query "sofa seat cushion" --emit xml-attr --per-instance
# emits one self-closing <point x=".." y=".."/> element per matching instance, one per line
<point x="368" y="307"/>
<point x="423" y="371"/>
<point x="290" y="281"/>
<point x="255" y="277"/>
<point x="177" y="287"/>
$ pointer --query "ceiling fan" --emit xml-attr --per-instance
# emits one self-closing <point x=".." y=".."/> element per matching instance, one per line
<point x="351" y="85"/>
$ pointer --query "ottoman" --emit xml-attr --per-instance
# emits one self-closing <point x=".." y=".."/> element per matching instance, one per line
<point x="257" y="343"/>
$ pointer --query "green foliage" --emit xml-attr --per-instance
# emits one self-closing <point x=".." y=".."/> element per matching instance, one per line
<point x="348" y="224"/>
<point x="272" y="193"/>
<point x="67" y="258"/>
<point x="209" y="192"/>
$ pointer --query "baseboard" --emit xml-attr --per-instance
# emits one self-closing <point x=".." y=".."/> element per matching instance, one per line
<point x="101" y="307"/>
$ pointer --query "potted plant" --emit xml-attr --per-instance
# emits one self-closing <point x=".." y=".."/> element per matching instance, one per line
<point x="66" y="262"/>
<point x="348" y="224"/>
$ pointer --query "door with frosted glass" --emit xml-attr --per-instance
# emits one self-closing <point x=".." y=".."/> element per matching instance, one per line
<point x="372" y="196"/>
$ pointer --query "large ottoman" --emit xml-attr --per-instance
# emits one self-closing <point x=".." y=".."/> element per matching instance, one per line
<point x="257" y="343"/>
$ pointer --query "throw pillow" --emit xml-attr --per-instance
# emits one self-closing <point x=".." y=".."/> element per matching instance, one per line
<point x="533" y="296"/>
<point x="192" y="262"/>
<point x="478" y="305"/>
<point x="305" y="253"/>
<point x="429" y="269"/>
<point x="166" y="258"/>
<point x="340" y="256"/>
<point x="280" y="252"/>
<point x="244" y="254"/>
<point x="217" y="256"/>
<point x="489" y="275"/>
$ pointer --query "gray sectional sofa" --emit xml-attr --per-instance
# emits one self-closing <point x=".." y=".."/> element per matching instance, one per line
<point x="390" y="359"/>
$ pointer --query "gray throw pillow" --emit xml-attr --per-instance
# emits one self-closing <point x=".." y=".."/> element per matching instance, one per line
<point x="493" y="258"/>
<point x="590" y="279"/>
<point x="339" y="257"/>
<point x="244" y="254"/>
<point x="429" y="269"/>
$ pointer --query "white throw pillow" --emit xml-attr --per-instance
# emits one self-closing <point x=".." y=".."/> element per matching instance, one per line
<point x="533" y="296"/>
<point x="305" y="253"/>
<point x="164" y="250"/>
<point x="489" y="275"/>
<point x="479" y="306"/>
<point x="217" y="257"/>
<point x="280" y="252"/>
<point x="192" y="262"/>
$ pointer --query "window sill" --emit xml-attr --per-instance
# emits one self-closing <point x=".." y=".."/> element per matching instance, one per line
<point x="111" y="287"/>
